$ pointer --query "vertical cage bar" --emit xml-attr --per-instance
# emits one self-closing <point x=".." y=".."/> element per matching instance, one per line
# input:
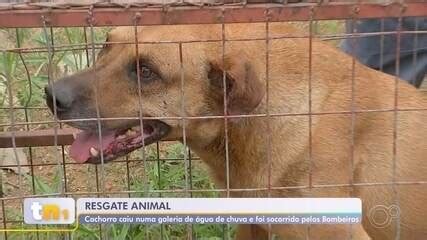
<point x="91" y="19"/>
<point x="382" y="45"/>
<point x="12" y="121"/>
<point x="128" y="176"/>
<point x="184" y="133"/>
<point x="310" y="105"/>
<point x="30" y="89"/>
<point x="395" y="116"/>
<point x="415" y="48"/>
<point x="64" y="170"/>
<point x="61" y="165"/>
<point x="128" y="185"/>
<point x="140" y="101"/>
<point x="88" y="64"/>
<point x="50" y="45"/>
<point x="27" y="126"/>
<point x="13" y="137"/>
<point x="90" y="167"/>
<point x="190" y="174"/>
<point x="224" y="84"/>
<point x="159" y="182"/>
<point x="136" y="19"/>
<point x="3" y="211"/>
<point x="352" y="106"/>
<point x="51" y="53"/>
<point x="268" y="119"/>
<point x="100" y="183"/>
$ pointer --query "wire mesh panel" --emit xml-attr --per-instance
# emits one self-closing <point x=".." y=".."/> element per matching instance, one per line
<point x="214" y="99"/>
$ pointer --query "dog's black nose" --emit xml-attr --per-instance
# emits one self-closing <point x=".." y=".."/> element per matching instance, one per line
<point x="63" y="99"/>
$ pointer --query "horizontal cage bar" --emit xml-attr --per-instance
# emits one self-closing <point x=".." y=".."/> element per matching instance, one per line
<point x="205" y="15"/>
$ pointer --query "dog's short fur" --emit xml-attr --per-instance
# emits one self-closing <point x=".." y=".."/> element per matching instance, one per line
<point x="281" y="150"/>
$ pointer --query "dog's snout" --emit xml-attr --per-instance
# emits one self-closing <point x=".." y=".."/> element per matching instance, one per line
<point x="59" y="98"/>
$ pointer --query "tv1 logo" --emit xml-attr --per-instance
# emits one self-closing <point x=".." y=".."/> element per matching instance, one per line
<point x="49" y="210"/>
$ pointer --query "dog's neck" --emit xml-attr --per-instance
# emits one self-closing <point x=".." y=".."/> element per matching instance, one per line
<point x="241" y="135"/>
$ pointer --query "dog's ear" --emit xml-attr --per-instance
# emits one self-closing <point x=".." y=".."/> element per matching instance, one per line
<point x="244" y="91"/>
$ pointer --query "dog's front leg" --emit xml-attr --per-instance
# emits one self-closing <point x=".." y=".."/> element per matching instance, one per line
<point x="251" y="232"/>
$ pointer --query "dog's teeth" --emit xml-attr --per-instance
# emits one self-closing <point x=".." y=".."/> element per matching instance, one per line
<point x="129" y="132"/>
<point x="74" y="135"/>
<point x="121" y="137"/>
<point x="94" y="152"/>
<point x="136" y="128"/>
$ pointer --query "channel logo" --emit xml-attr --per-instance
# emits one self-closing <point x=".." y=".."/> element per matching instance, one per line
<point x="49" y="210"/>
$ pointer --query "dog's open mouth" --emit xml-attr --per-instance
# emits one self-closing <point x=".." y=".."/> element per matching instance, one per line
<point x="87" y="146"/>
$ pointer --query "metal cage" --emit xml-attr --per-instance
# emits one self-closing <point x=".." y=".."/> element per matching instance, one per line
<point x="28" y="127"/>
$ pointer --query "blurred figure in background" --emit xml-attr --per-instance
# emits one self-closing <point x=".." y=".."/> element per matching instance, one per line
<point x="369" y="50"/>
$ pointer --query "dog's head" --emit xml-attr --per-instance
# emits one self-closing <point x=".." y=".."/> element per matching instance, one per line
<point x="163" y="80"/>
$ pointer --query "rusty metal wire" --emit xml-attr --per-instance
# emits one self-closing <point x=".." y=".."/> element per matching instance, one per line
<point x="64" y="4"/>
<point x="82" y="4"/>
<point x="251" y="12"/>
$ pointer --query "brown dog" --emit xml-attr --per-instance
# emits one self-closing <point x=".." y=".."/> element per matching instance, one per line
<point x="333" y="153"/>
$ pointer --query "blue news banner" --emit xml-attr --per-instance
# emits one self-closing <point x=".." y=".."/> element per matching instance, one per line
<point x="220" y="211"/>
<point x="221" y="219"/>
<point x="193" y="210"/>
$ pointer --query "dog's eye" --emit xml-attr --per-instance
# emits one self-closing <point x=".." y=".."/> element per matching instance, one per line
<point x="146" y="75"/>
<point x="145" y="72"/>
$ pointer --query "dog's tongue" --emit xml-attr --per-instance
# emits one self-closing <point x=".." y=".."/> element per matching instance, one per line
<point x="80" y="149"/>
